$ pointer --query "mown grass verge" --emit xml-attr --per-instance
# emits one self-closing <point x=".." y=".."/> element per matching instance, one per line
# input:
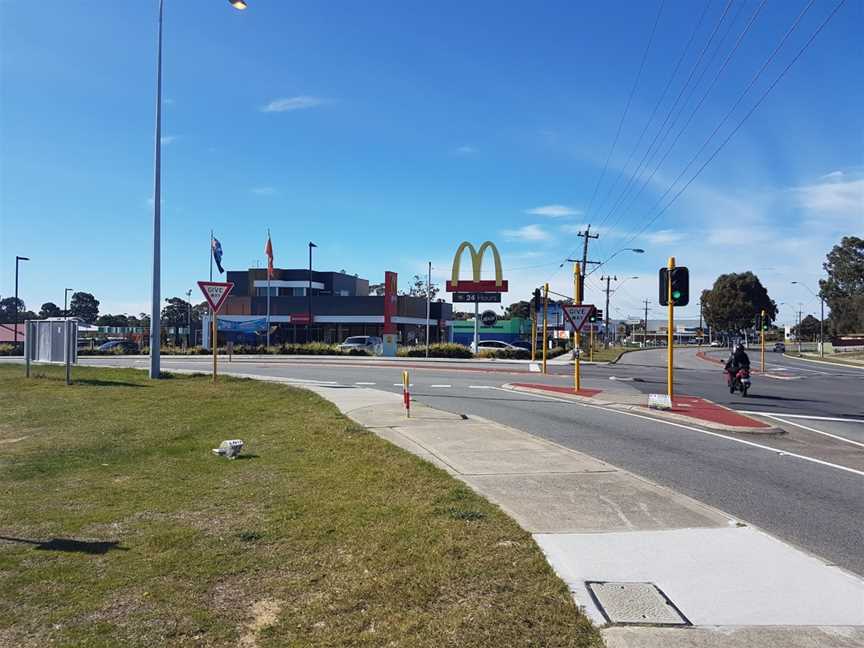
<point x="121" y="528"/>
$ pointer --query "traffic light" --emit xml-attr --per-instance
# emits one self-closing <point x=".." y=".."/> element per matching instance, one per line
<point x="762" y="321"/>
<point x="680" y="286"/>
<point x="538" y="299"/>
<point x="596" y="316"/>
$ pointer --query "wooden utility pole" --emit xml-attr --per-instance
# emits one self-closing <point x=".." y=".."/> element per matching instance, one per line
<point x="607" y="279"/>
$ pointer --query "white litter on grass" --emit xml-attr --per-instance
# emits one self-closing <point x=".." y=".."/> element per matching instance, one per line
<point x="230" y="448"/>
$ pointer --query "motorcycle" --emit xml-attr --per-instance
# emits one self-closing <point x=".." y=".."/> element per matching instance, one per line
<point x="740" y="382"/>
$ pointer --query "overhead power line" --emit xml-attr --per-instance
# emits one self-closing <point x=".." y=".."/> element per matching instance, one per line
<point x="656" y="106"/>
<point x="747" y="115"/>
<point x="626" y="108"/>
<point x="671" y="111"/>
<point x="699" y="104"/>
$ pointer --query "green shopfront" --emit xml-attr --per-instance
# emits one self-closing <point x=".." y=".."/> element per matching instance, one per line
<point x="506" y="330"/>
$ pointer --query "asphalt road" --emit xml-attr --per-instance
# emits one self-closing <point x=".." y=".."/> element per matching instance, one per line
<point x="804" y="487"/>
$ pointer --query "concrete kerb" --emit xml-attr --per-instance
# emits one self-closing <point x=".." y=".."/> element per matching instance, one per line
<point x="626" y="401"/>
<point x="825" y="362"/>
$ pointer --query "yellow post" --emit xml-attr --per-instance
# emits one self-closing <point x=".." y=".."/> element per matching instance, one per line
<point x="762" y="335"/>
<point x="406" y="396"/>
<point x="534" y="332"/>
<point x="213" y="343"/>
<point x="545" y="321"/>
<point x="577" y="300"/>
<point x="591" y="344"/>
<point x="671" y="332"/>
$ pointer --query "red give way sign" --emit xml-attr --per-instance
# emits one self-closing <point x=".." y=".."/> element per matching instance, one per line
<point x="215" y="292"/>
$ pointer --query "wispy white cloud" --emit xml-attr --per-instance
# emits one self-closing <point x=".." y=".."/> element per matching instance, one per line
<point x="663" y="237"/>
<point x="167" y="139"/>
<point x="263" y="191"/>
<point x="466" y="150"/>
<point x="300" y="102"/>
<point x="837" y="197"/>
<point x="526" y="233"/>
<point x="554" y="211"/>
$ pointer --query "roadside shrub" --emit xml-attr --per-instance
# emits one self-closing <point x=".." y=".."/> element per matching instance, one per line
<point x="554" y="353"/>
<point x="442" y="350"/>
<point x="506" y="354"/>
<point x="11" y="350"/>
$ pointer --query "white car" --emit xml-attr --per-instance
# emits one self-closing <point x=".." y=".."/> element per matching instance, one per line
<point x="369" y="343"/>
<point x="494" y="345"/>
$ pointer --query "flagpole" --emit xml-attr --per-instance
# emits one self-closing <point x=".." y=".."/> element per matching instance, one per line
<point x="268" y="292"/>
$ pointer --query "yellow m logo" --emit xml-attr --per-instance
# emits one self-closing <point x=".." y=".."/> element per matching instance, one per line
<point x="477" y="262"/>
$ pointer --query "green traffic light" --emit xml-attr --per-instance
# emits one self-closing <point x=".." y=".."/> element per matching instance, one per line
<point x="676" y="294"/>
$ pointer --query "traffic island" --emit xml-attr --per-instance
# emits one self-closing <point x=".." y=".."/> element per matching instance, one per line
<point x="685" y="409"/>
<point x="120" y="527"/>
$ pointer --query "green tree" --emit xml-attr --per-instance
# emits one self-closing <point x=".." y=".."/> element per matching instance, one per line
<point x="85" y="306"/>
<point x="50" y="309"/>
<point x="734" y="302"/>
<point x="519" y="309"/>
<point x="112" y="320"/>
<point x="418" y="288"/>
<point x="8" y="311"/>
<point x="809" y="329"/>
<point x="843" y="290"/>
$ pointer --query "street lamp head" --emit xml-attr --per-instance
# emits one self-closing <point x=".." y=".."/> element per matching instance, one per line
<point x="20" y="258"/>
<point x="637" y="250"/>
<point x="794" y="282"/>
<point x="238" y="4"/>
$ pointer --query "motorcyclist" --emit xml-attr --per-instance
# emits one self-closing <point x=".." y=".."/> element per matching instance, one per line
<point x="737" y="361"/>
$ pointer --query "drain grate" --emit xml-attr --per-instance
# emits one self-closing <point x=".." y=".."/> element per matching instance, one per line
<point x="635" y="604"/>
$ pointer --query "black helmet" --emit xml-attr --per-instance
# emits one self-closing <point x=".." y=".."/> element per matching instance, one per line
<point x="739" y="347"/>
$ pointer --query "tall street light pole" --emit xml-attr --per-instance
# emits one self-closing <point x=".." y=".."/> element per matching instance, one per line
<point x="309" y="294"/>
<point x="428" y="303"/>
<point x="155" y="297"/>
<point x="17" y="311"/>
<point x="821" y="318"/>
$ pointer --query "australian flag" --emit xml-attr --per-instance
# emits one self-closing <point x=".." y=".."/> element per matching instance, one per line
<point x="217" y="254"/>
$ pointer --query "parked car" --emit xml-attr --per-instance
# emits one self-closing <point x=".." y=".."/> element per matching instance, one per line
<point x="780" y="347"/>
<point x="126" y="345"/>
<point x="494" y="345"/>
<point x="368" y="343"/>
<point x="715" y="343"/>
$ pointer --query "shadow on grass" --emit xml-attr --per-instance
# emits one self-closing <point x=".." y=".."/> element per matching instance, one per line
<point x="246" y="456"/>
<point x="66" y="544"/>
<point x="95" y="382"/>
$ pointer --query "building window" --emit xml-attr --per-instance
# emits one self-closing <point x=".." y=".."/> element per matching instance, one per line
<point x="262" y="292"/>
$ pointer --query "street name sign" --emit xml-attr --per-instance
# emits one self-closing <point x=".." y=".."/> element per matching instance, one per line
<point x="215" y="293"/>
<point x="575" y="317"/>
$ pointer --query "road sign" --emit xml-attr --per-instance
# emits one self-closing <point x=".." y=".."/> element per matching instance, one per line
<point x="215" y="293"/>
<point x="477" y="297"/>
<point x="488" y="318"/>
<point x="575" y="317"/>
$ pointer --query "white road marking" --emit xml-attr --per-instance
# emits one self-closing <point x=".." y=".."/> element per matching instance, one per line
<point x="806" y="416"/>
<point x="804" y="427"/>
<point x="364" y="383"/>
<point x="304" y="380"/>
<point x="774" y="451"/>
<point x="482" y="387"/>
<point x="401" y="385"/>
<point x="442" y="386"/>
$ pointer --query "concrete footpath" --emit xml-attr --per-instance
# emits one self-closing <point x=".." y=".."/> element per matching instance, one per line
<point x="653" y="567"/>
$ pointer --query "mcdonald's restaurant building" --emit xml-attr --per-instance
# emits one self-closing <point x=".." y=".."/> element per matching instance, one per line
<point x="323" y="307"/>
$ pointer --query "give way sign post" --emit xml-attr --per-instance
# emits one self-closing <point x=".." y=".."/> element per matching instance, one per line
<point x="215" y="292"/>
<point x="575" y="317"/>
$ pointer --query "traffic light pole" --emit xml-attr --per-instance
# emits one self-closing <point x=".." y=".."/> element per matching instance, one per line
<point x="670" y="358"/>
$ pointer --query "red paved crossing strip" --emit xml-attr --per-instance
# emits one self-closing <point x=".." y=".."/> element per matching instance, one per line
<point x="559" y="390"/>
<point x="699" y="408"/>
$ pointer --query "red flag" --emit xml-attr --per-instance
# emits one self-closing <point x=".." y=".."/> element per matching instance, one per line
<point x="268" y="250"/>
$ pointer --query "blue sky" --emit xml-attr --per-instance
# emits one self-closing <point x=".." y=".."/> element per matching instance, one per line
<point x="389" y="133"/>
